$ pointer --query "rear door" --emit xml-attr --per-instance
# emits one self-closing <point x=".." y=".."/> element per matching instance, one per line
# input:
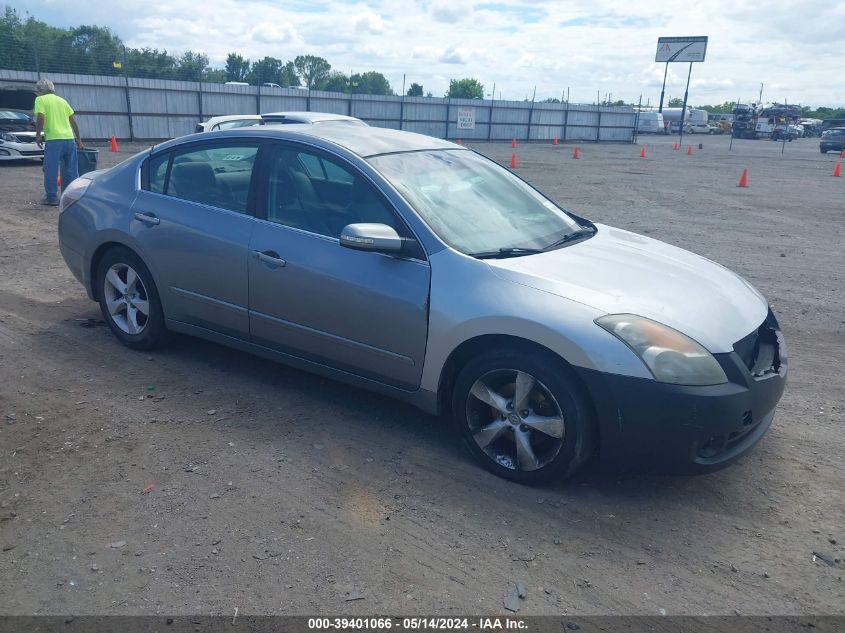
<point x="366" y="313"/>
<point x="193" y="221"/>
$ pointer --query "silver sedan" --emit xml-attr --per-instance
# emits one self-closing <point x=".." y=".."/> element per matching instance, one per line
<point x="420" y="269"/>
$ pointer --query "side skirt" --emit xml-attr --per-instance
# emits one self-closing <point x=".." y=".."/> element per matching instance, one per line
<point x="420" y="398"/>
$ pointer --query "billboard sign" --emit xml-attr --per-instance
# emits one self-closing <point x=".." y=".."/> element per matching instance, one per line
<point x="466" y="118"/>
<point x="681" y="49"/>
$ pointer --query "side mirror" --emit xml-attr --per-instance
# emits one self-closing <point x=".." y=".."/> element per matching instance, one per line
<point x="376" y="238"/>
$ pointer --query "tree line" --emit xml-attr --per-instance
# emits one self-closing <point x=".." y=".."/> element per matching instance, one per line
<point x="30" y="44"/>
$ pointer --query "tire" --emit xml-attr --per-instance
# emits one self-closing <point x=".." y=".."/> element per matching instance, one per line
<point x="123" y="297"/>
<point x="497" y="434"/>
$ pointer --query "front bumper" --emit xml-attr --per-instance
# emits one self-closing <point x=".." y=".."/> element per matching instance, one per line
<point x="652" y="426"/>
<point x="18" y="151"/>
<point x="831" y="147"/>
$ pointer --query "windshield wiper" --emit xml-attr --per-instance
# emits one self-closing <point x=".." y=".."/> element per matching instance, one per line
<point x="511" y="251"/>
<point x="577" y="235"/>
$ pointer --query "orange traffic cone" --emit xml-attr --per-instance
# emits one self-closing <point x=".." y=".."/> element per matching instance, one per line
<point x="513" y="161"/>
<point x="59" y="181"/>
<point x="113" y="143"/>
<point x="458" y="141"/>
<point x="842" y="154"/>
<point x="642" y="153"/>
<point x="689" y="150"/>
<point x="743" y="180"/>
<point x="513" y="142"/>
<point x="576" y="153"/>
<point x="554" y="140"/>
<point x="837" y="171"/>
<point x="675" y="147"/>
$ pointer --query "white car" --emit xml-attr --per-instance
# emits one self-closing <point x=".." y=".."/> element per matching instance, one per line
<point x="229" y="122"/>
<point x="312" y="118"/>
<point x="17" y="136"/>
<point x="696" y="128"/>
<point x="233" y="121"/>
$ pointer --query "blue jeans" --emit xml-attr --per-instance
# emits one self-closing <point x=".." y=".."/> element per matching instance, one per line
<point x="58" y="153"/>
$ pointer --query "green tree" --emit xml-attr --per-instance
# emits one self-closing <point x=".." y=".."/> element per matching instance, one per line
<point x="416" y="90"/>
<point x="312" y="70"/>
<point x="335" y="82"/>
<point x="236" y="68"/>
<point x="215" y="76"/>
<point x="371" y="83"/>
<point x="465" y="89"/>
<point x="91" y="50"/>
<point x="191" y="66"/>
<point x="149" y="62"/>
<point x="266" y="70"/>
<point x="288" y="76"/>
<point x="15" y="51"/>
<point x="675" y="102"/>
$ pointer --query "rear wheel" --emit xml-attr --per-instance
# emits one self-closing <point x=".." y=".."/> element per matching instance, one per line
<point x="129" y="300"/>
<point x="523" y="415"/>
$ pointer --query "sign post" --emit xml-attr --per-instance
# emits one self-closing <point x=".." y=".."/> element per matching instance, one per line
<point x="680" y="49"/>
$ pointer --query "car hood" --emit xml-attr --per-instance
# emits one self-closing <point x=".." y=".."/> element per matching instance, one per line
<point x="617" y="271"/>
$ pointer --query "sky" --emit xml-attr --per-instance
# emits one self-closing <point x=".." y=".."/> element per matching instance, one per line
<point x="588" y="47"/>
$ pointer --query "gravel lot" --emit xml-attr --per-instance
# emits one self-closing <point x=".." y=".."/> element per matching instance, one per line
<point x="275" y="491"/>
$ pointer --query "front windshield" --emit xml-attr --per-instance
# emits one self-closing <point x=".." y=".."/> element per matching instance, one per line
<point x="18" y="116"/>
<point x="473" y="204"/>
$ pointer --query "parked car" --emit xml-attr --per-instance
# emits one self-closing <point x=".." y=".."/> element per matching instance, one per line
<point x="273" y="118"/>
<point x="270" y="85"/>
<point x="422" y="270"/>
<point x="17" y="136"/>
<point x="789" y="132"/>
<point x="715" y="128"/>
<point x="229" y="122"/>
<point x="17" y="127"/>
<point x="696" y="128"/>
<point x="311" y="118"/>
<point x="832" y="139"/>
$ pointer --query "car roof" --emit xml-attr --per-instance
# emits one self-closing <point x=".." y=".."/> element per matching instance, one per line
<point x="361" y="140"/>
<point x="310" y="117"/>
<point x="234" y="117"/>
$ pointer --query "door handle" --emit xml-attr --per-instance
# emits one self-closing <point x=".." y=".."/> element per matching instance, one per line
<point x="269" y="257"/>
<point x="147" y="218"/>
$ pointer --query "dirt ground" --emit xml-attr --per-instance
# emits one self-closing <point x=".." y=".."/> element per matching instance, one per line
<point x="278" y="492"/>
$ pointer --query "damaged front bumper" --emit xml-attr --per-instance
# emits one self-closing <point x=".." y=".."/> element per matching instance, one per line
<point x="648" y="425"/>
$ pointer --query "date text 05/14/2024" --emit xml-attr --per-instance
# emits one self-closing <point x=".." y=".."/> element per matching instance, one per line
<point x="416" y="624"/>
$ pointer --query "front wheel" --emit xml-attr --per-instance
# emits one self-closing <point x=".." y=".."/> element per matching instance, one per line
<point x="523" y="415"/>
<point x="129" y="300"/>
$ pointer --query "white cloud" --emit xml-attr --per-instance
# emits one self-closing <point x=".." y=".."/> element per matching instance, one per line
<point x="588" y="45"/>
<point x="369" y="22"/>
<point x="274" y="33"/>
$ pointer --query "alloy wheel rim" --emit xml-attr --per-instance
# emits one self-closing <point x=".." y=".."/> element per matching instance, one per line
<point x="126" y="299"/>
<point x="515" y="419"/>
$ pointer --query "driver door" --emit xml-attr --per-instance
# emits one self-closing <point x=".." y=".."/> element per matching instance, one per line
<point x="362" y="312"/>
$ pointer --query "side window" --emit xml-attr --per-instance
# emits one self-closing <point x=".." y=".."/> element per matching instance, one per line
<point x="229" y="125"/>
<point x="158" y="172"/>
<point x="335" y="173"/>
<point x="218" y="175"/>
<point x="300" y="196"/>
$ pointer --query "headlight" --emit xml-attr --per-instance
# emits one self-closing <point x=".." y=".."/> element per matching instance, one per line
<point x="670" y="356"/>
